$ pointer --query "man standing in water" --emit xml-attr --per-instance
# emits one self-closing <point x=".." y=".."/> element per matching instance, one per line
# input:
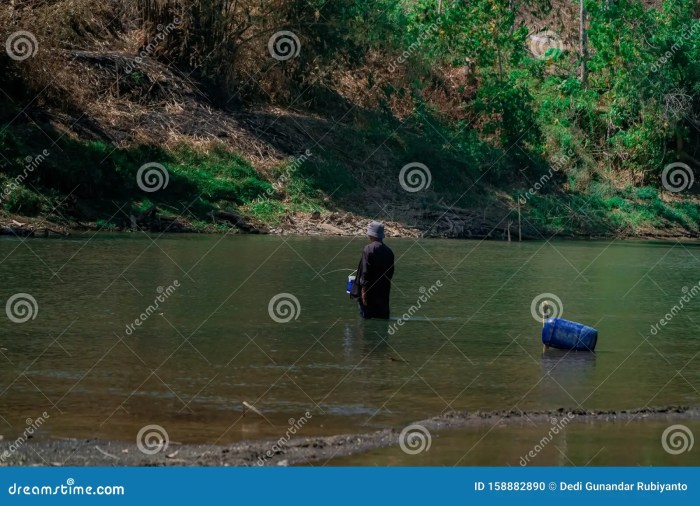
<point x="373" y="282"/>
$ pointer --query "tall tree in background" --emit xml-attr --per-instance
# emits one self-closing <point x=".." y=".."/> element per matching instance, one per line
<point x="583" y="43"/>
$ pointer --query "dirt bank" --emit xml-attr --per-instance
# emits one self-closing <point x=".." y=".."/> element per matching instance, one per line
<point x="298" y="451"/>
<point x="342" y="224"/>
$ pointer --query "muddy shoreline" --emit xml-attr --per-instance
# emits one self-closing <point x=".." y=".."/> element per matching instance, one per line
<point x="38" y="228"/>
<point x="300" y="450"/>
<point x="464" y="225"/>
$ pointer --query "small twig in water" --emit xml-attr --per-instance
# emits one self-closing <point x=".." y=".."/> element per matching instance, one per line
<point x="247" y="405"/>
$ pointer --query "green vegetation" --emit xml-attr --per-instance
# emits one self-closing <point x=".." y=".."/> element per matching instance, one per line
<point x="95" y="173"/>
<point x="466" y="88"/>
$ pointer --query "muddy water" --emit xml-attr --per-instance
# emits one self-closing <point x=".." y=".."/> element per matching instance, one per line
<point x="211" y="343"/>
<point x="636" y="443"/>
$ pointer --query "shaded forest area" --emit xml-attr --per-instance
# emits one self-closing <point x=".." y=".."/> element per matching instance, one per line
<point x="442" y="117"/>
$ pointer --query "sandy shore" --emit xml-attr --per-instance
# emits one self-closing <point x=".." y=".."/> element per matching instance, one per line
<point x="297" y="451"/>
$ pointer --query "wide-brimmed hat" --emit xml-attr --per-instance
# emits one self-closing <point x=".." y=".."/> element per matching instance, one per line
<point x="375" y="229"/>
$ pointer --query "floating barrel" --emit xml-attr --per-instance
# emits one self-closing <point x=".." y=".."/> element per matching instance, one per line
<point x="567" y="335"/>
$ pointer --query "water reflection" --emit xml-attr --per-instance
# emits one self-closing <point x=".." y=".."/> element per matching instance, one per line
<point x="366" y="337"/>
<point x="565" y="374"/>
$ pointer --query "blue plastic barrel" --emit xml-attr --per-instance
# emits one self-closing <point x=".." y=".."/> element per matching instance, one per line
<point x="351" y="281"/>
<point x="568" y="335"/>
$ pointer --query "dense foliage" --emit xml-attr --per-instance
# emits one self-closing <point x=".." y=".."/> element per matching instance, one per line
<point x="499" y="91"/>
<point x="637" y="109"/>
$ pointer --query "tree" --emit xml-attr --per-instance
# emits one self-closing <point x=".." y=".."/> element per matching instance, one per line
<point x="583" y="44"/>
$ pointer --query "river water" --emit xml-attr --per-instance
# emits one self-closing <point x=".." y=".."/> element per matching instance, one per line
<point x="213" y="343"/>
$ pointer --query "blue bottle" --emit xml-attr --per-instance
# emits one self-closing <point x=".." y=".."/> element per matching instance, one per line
<point x="568" y="335"/>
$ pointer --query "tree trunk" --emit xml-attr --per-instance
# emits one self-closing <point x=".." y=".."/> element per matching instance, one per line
<point x="583" y="45"/>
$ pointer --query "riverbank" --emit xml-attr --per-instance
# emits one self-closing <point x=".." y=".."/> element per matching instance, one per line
<point x="311" y="450"/>
<point x="283" y="172"/>
<point x="344" y="224"/>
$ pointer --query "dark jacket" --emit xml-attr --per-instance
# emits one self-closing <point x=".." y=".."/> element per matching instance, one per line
<point x="374" y="272"/>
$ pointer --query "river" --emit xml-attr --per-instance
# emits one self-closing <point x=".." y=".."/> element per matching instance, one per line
<point x="213" y="343"/>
